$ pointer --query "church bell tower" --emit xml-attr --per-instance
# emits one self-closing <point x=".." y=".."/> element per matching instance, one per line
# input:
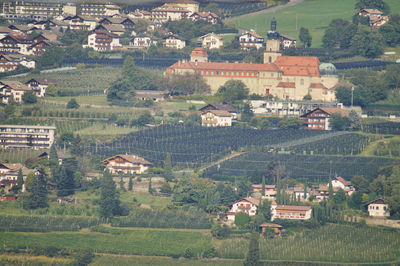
<point x="272" y="50"/>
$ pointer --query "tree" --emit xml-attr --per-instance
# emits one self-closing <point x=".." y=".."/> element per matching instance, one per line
<point x="29" y="97"/>
<point x="121" y="92"/>
<point x="30" y="179"/>
<point x="73" y="104"/>
<point x="20" y="179"/>
<point x="232" y="91"/>
<point x="38" y="193"/>
<point x="334" y="33"/>
<point x="168" y="167"/>
<point x="130" y="183"/>
<point x="253" y="256"/>
<point x="247" y="113"/>
<point x="360" y="96"/>
<point x="392" y="77"/>
<point x="144" y="119"/>
<point x="355" y="121"/>
<point x="185" y="84"/>
<point x="53" y="152"/>
<point x="109" y="197"/>
<point x="339" y="122"/>
<point x="339" y="197"/>
<point x="367" y="42"/>
<point x="290" y="123"/>
<point x="305" y="37"/>
<point x="373" y="4"/>
<point x="122" y="183"/>
<point x="242" y="219"/>
<point x="141" y="26"/>
<point x="52" y="57"/>
<point x="150" y="189"/>
<point x="265" y="210"/>
<point x="77" y="147"/>
<point x="263" y="186"/>
<point x="138" y="78"/>
<point x="65" y="182"/>
<point x="51" y="90"/>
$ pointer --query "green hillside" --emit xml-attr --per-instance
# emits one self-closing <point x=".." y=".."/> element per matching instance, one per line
<point x="312" y="14"/>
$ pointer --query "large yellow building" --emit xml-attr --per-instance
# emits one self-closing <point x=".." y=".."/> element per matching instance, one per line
<point x="285" y="77"/>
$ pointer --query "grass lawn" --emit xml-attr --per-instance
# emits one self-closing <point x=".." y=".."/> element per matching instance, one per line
<point x="312" y="14"/>
<point x="145" y="198"/>
<point x="179" y="106"/>
<point x="105" y="130"/>
<point x="92" y="100"/>
<point x="138" y="242"/>
<point x="165" y="261"/>
<point x="228" y="38"/>
<point x="32" y="260"/>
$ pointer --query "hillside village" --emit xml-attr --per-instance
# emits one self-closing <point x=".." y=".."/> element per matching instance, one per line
<point x="179" y="133"/>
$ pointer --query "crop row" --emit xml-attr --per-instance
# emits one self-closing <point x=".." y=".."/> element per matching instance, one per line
<point x="383" y="128"/>
<point x="300" y="166"/>
<point x="194" y="146"/>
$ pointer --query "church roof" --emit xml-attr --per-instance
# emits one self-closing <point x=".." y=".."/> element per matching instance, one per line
<point x="216" y="66"/>
<point x="298" y="65"/>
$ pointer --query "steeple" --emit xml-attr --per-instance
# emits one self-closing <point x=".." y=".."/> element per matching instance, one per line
<point x="272" y="50"/>
<point x="273" y="34"/>
<point x="273" y="24"/>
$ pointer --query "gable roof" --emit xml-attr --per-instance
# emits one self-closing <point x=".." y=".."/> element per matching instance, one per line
<point x="328" y="110"/>
<point x="16" y="85"/>
<point x="220" y="113"/>
<point x="372" y="11"/>
<point x="42" y="81"/>
<point x="130" y="158"/>
<point x="317" y="86"/>
<point x="340" y="179"/>
<point x="376" y="201"/>
<point x="211" y="34"/>
<point x="298" y="65"/>
<point x="220" y="106"/>
<point x="292" y="208"/>
<point x="250" y="200"/>
<point x="174" y="36"/>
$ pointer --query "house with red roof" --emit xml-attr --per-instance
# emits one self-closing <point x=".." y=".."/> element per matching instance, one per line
<point x="126" y="163"/>
<point x="250" y="39"/>
<point x="341" y="183"/>
<point x="319" y="117"/>
<point x="245" y="205"/>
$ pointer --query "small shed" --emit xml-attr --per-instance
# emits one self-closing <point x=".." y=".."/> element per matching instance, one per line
<point x="276" y="227"/>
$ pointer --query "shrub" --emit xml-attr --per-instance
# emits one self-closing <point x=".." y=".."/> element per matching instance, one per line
<point x="188" y="253"/>
<point x="242" y="219"/>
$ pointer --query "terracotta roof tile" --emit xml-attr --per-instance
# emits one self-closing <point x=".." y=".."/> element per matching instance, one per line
<point x="286" y="85"/>
<point x="213" y="66"/>
<point x="317" y="86"/>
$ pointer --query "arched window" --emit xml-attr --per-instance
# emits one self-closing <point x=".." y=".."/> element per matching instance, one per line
<point x="270" y="59"/>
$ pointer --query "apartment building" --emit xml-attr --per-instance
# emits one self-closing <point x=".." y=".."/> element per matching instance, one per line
<point x="26" y="136"/>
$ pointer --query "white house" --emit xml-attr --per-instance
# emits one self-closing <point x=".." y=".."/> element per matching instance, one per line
<point x="211" y="41"/>
<point x="174" y="41"/>
<point x="102" y="40"/>
<point x="290" y="212"/>
<point x="12" y="90"/>
<point x="269" y="192"/>
<point x="127" y="164"/>
<point x="144" y="40"/>
<point x="340" y="183"/>
<point x="287" y="41"/>
<point x="216" y="118"/>
<point x="378" y="208"/>
<point x="39" y="85"/>
<point x="245" y="205"/>
<point x="250" y="39"/>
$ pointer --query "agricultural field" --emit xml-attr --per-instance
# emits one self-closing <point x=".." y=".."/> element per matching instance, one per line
<point x="17" y="156"/>
<point x="193" y="146"/>
<point x="149" y="242"/>
<point x="312" y="14"/>
<point x="316" y="168"/>
<point x="383" y="128"/>
<point x="329" y="243"/>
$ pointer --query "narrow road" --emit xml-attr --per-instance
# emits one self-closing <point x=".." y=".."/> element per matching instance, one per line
<point x="268" y="10"/>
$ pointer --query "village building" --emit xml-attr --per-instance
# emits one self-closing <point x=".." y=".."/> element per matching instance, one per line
<point x="17" y="44"/>
<point x="208" y="17"/>
<point x="12" y="90"/>
<point x="127" y="164"/>
<point x="174" y="41"/>
<point x="340" y="183"/>
<point x="288" y="108"/>
<point x="10" y="62"/>
<point x="321" y="193"/>
<point x="99" y="9"/>
<point x="216" y="118"/>
<point x="39" y="85"/>
<point x="156" y="96"/>
<point x="38" y="48"/>
<point x="269" y="192"/>
<point x="10" y="171"/>
<point x="103" y="40"/>
<point x="219" y="106"/>
<point x="211" y="41"/>
<point x="116" y="29"/>
<point x="290" y="212"/>
<point x="126" y="23"/>
<point x="250" y="39"/>
<point x="284" y="77"/>
<point x="245" y="205"/>
<point x="144" y="40"/>
<point x="81" y="22"/>
<point x="275" y="227"/>
<point x="378" y="208"/>
<point x="287" y="41"/>
<point x="190" y="5"/>
<point x="319" y="118"/>
<point x="26" y="136"/>
<point x="375" y="16"/>
<point x="169" y="11"/>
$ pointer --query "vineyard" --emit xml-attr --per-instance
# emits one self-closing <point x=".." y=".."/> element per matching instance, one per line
<point x="298" y="166"/>
<point x="330" y="243"/>
<point x="350" y="144"/>
<point x="9" y="223"/>
<point x="192" y="146"/>
<point x="383" y="128"/>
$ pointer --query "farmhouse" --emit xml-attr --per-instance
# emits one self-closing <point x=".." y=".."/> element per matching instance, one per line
<point x="103" y="40"/>
<point x="375" y="16"/>
<point x="169" y="11"/>
<point x="12" y="90"/>
<point x="9" y="171"/>
<point x="222" y="107"/>
<point x="340" y="183"/>
<point x="287" y="41"/>
<point x="39" y="85"/>
<point x="209" y="17"/>
<point x="144" y="40"/>
<point x="174" y="41"/>
<point x="319" y="117"/>
<point x="269" y="193"/>
<point x="216" y="118"/>
<point x="156" y="96"/>
<point x="378" y="208"/>
<point x="127" y="164"/>
<point x="10" y="62"/>
<point x="245" y="205"/>
<point x="290" y="212"/>
<point x="250" y="39"/>
<point x="284" y="77"/>
<point x="211" y="41"/>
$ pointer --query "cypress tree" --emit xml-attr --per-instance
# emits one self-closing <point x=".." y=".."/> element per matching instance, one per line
<point x="330" y="182"/>
<point x="38" y="196"/>
<point x="150" y="187"/>
<point x="65" y="182"/>
<point x="263" y="186"/>
<point x="122" y="183"/>
<point x="168" y="168"/>
<point x="109" y="197"/>
<point x="20" y="179"/>
<point x="130" y="184"/>
<point x="53" y="152"/>
<point x="253" y="256"/>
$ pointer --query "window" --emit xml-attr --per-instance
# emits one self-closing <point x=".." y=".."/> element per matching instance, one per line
<point x="301" y="81"/>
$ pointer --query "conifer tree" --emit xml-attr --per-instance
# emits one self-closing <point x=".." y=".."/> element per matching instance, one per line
<point x="278" y="187"/>
<point x="20" y="179"/>
<point x="65" y="182"/>
<point x="263" y="186"/>
<point x="168" y="168"/>
<point x="130" y="184"/>
<point x="38" y="195"/>
<point x="150" y="187"/>
<point x="109" y="197"/>
<point x="122" y="183"/>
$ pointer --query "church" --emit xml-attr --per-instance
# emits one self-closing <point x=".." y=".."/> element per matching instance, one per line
<point x="284" y="77"/>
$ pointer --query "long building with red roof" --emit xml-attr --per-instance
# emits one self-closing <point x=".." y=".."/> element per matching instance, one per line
<point x="284" y="77"/>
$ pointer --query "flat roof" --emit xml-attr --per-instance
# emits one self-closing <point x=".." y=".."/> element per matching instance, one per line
<point x="27" y="126"/>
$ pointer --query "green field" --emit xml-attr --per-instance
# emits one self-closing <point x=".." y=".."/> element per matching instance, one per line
<point x="116" y="241"/>
<point x="312" y="14"/>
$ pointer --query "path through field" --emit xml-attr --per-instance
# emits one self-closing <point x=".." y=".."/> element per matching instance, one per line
<point x="268" y="10"/>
